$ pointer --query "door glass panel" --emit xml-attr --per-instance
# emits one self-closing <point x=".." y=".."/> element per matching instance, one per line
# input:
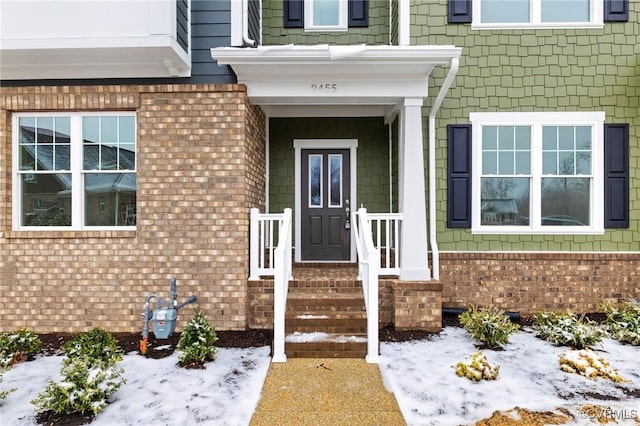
<point x="335" y="186"/>
<point x="315" y="180"/>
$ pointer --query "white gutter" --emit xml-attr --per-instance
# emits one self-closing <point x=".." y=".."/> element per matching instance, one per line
<point x="245" y="24"/>
<point x="455" y="63"/>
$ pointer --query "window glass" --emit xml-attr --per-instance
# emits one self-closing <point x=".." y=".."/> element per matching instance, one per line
<point x="47" y="166"/>
<point x="505" y="11"/>
<point x="335" y="188"/>
<point x="315" y="180"/>
<point x="565" y="11"/>
<point x="566" y="201"/>
<point x="535" y="177"/>
<point x="326" y="12"/>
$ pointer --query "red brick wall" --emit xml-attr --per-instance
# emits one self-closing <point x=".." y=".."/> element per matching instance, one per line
<point x="200" y="168"/>
<point x="529" y="282"/>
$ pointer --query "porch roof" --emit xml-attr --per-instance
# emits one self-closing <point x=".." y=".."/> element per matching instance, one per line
<point x="318" y="76"/>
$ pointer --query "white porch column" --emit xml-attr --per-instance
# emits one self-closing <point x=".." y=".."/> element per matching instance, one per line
<point x="413" y="237"/>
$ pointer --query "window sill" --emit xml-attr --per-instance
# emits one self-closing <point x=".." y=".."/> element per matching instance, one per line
<point x="64" y="234"/>
<point x="551" y="230"/>
<point x="325" y="29"/>
<point x="539" y="26"/>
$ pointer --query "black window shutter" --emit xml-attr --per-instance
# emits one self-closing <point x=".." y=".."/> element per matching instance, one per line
<point x="358" y="13"/>
<point x="616" y="175"/>
<point x="459" y="176"/>
<point x="294" y="13"/>
<point x="459" y="11"/>
<point x="616" y="10"/>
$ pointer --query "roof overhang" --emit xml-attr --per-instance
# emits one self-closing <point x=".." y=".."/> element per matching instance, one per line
<point x="335" y="78"/>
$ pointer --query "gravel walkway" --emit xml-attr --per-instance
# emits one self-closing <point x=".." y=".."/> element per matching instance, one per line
<point x="327" y="391"/>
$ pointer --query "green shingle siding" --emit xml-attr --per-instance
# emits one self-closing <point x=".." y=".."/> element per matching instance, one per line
<point x="537" y="70"/>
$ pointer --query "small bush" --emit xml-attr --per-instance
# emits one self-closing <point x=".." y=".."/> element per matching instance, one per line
<point x="196" y="342"/>
<point x="589" y="364"/>
<point x="624" y="321"/>
<point x="96" y="345"/>
<point x="489" y="326"/>
<point x="85" y="388"/>
<point x="566" y="329"/>
<point x="89" y="376"/>
<point x="478" y="368"/>
<point x="18" y="346"/>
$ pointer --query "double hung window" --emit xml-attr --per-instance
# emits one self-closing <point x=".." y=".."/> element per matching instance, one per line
<point x="537" y="172"/>
<point x="74" y="170"/>
<point x="537" y="13"/>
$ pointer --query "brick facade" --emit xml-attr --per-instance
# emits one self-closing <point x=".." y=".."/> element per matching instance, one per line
<point x="530" y="282"/>
<point x="201" y="159"/>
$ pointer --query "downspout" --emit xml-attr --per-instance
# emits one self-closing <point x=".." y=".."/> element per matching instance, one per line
<point x="245" y="25"/>
<point x="433" y="242"/>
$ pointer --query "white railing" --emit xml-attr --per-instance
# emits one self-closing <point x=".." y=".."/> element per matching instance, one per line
<point x="264" y="229"/>
<point x="281" y="286"/>
<point x="369" y="270"/>
<point x="385" y="229"/>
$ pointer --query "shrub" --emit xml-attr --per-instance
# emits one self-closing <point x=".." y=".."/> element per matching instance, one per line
<point x="196" y="342"/>
<point x="85" y="388"/>
<point x="478" y="368"/>
<point x="624" y="321"/>
<point x="18" y="346"/>
<point x="566" y="329"/>
<point x="96" y="345"/>
<point x="589" y="364"/>
<point x="89" y="375"/>
<point x="490" y="326"/>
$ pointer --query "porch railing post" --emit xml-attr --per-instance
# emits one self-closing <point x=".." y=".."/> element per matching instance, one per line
<point x="254" y="244"/>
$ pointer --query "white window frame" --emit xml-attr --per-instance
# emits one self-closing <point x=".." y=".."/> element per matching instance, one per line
<point x="75" y="169"/>
<point x="537" y="120"/>
<point x="596" y="14"/>
<point x="343" y="19"/>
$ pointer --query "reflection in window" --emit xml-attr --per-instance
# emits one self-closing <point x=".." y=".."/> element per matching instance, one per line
<point x="326" y="12"/>
<point x="47" y="167"/>
<point x="315" y="180"/>
<point x="335" y="187"/>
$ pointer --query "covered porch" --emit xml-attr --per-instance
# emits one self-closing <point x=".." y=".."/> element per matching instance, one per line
<point x="317" y="208"/>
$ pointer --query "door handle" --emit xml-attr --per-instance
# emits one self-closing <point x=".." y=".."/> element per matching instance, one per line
<point x="347" y="214"/>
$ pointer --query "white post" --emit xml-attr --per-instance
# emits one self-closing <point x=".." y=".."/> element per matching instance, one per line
<point x="413" y="238"/>
<point x="254" y="232"/>
<point x="373" y="356"/>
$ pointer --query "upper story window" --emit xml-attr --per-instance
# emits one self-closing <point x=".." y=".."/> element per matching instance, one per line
<point x="537" y="172"/>
<point x="537" y="13"/>
<point x="74" y="170"/>
<point x="325" y="15"/>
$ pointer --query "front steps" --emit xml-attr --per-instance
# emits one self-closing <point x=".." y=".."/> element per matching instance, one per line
<point x="326" y="318"/>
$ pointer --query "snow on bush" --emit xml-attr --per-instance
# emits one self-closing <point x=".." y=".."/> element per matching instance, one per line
<point x="566" y="329"/>
<point x="624" y="321"/>
<point x="477" y="368"/>
<point x="490" y="326"/>
<point x="18" y="346"/>
<point x="589" y="364"/>
<point x="196" y="342"/>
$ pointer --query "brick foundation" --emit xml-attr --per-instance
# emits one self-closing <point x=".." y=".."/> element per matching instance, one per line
<point x="417" y="306"/>
<point x="201" y="167"/>
<point x="529" y="282"/>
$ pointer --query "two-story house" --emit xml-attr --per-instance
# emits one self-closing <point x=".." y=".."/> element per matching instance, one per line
<point x="495" y="146"/>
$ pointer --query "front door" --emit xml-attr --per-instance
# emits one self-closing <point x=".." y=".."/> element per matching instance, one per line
<point x="325" y="204"/>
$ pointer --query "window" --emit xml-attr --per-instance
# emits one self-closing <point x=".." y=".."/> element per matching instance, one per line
<point x="74" y="170"/>
<point x="537" y="13"/>
<point x="325" y="15"/>
<point x="537" y="172"/>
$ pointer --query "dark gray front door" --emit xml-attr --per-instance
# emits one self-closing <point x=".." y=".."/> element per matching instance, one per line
<point x="325" y="207"/>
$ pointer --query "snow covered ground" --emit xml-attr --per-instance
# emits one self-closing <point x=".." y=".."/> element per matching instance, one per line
<point x="421" y="374"/>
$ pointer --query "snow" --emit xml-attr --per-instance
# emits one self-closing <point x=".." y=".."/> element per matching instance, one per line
<point x="420" y="373"/>
<point x="299" y="337"/>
